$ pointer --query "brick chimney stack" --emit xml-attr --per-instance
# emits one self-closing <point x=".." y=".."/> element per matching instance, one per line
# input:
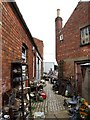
<point x="58" y="12"/>
<point x="58" y="20"/>
<point x="58" y="28"/>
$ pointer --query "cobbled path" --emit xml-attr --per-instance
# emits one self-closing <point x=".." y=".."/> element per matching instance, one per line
<point x="53" y="103"/>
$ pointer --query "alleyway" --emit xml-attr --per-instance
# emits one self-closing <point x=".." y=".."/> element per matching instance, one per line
<point x="52" y="106"/>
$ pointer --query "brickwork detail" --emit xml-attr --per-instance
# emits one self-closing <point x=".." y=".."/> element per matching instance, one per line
<point x="13" y="37"/>
<point x="70" y="47"/>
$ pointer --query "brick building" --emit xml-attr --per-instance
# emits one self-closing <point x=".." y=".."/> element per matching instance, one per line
<point x="73" y="48"/>
<point x="17" y="44"/>
<point x="40" y="47"/>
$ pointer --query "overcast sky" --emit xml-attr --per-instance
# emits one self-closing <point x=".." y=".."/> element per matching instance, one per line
<point x="40" y="15"/>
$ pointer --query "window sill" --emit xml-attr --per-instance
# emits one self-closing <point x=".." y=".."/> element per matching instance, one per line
<point x="81" y="45"/>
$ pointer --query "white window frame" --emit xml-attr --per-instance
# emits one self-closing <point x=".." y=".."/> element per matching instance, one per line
<point x="24" y="55"/>
<point x="85" y="35"/>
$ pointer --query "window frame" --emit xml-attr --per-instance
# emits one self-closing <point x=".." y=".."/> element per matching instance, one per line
<point x="24" y="56"/>
<point x="83" y="35"/>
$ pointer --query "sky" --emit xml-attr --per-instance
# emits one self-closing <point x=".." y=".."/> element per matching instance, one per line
<point x="40" y="15"/>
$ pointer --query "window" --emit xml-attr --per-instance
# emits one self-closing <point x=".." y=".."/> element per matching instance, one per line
<point x="24" y="53"/>
<point x="85" y="35"/>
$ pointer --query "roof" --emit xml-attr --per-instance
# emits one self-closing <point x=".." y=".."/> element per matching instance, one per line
<point x="20" y="18"/>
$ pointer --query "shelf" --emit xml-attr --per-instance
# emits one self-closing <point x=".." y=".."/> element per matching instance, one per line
<point x="19" y="74"/>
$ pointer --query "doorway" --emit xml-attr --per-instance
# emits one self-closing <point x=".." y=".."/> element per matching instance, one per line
<point x="82" y="76"/>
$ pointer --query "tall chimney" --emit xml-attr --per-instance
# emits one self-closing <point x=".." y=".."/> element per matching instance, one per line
<point x="58" y="12"/>
<point x="58" y="28"/>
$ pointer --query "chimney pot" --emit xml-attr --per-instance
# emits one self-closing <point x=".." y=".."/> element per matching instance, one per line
<point x="58" y="12"/>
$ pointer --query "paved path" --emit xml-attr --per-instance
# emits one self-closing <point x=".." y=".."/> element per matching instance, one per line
<point x="52" y="106"/>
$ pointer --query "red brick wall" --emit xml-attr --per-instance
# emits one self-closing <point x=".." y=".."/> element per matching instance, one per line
<point x="13" y="36"/>
<point x="69" y="49"/>
<point x="40" y="46"/>
<point x="0" y="57"/>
